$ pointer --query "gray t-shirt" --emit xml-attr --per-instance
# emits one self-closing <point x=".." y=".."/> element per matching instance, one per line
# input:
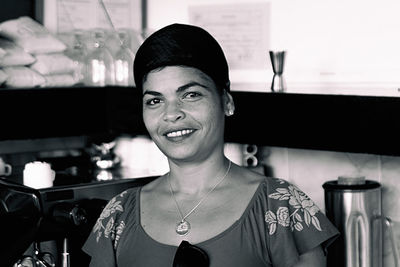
<point x="279" y="224"/>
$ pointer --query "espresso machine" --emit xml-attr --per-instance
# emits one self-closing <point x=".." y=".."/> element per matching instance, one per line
<point x="63" y="214"/>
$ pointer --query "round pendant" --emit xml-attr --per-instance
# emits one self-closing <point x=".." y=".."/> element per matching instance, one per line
<point x="182" y="228"/>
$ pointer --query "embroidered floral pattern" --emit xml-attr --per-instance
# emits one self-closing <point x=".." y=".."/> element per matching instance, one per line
<point x="304" y="210"/>
<point x="110" y="229"/>
<point x="120" y="228"/>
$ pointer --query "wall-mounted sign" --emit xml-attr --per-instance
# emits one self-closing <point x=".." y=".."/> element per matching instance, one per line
<point x="68" y="15"/>
<point x="242" y="29"/>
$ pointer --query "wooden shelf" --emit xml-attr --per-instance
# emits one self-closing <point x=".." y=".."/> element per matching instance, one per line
<point x="360" y="124"/>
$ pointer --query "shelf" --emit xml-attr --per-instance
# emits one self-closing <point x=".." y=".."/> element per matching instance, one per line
<point x="346" y="123"/>
<point x="72" y="111"/>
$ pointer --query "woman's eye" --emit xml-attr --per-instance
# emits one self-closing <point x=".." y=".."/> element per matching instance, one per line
<point x="153" y="101"/>
<point x="191" y="95"/>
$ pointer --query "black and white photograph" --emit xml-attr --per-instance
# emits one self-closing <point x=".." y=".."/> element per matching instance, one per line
<point x="199" y="133"/>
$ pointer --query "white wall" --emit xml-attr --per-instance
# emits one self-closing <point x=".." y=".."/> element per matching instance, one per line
<point x="333" y="46"/>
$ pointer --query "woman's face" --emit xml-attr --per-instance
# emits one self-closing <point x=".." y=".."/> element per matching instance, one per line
<point x="184" y="113"/>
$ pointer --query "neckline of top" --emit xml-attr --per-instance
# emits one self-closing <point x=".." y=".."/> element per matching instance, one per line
<point x="212" y="239"/>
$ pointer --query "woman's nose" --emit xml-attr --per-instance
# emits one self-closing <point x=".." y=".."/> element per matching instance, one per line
<point x="173" y="112"/>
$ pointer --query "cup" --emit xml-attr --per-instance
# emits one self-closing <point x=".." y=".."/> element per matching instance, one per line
<point x="38" y="174"/>
<point x="278" y="61"/>
<point x="5" y="169"/>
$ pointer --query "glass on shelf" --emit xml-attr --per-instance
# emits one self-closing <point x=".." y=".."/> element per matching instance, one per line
<point x="124" y="61"/>
<point x="78" y="53"/>
<point x="100" y="69"/>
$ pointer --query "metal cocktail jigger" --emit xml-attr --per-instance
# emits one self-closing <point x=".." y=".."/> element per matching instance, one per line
<point x="278" y="60"/>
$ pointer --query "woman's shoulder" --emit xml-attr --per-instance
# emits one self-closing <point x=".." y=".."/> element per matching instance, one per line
<point x="253" y="178"/>
<point x="280" y="192"/>
<point x="119" y="206"/>
<point x="276" y="196"/>
<point x="273" y="184"/>
<point x="125" y="196"/>
<point x="111" y="223"/>
<point x="272" y="187"/>
<point x="289" y="222"/>
<point x="289" y="207"/>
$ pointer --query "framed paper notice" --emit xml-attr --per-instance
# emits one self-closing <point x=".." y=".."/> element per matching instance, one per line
<point x="243" y="31"/>
<point x="67" y="15"/>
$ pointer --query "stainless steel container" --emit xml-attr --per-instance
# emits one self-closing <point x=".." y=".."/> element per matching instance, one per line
<point x="278" y="60"/>
<point x="354" y="207"/>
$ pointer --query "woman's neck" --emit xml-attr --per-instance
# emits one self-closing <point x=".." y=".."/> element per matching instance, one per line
<point x="197" y="178"/>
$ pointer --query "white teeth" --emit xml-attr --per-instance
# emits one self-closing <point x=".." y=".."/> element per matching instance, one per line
<point x="179" y="133"/>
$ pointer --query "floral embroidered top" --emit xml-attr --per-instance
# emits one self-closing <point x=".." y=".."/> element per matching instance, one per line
<point x="280" y="223"/>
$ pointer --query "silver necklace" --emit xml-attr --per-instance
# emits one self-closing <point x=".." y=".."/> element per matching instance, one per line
<point x="183" y="226"/>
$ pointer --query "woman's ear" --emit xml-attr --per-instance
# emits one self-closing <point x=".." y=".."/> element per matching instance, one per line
<point x="229" y="105"/>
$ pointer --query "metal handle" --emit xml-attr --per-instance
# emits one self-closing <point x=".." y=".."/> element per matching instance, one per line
<point x="389" y="226"/>
<point x="65" y="254"/>
<point x="357" y="240"/>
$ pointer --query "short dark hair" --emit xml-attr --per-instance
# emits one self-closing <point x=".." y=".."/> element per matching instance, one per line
<point x="182" y="45"/>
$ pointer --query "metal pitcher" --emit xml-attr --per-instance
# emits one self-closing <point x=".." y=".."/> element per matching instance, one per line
<point x="354" y="206"/>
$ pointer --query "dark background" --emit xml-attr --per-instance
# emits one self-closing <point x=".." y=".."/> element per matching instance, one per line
<point x="12" y="9"/>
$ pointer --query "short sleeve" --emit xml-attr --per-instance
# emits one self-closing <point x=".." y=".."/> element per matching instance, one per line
<point x="103" y="239"/>
<point x="295" y="224"/>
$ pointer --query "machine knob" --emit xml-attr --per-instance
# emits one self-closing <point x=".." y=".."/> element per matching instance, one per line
<point x="69" y="213"/>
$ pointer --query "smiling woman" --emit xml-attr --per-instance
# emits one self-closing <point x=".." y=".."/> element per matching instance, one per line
<point x="182" y="106"/>
<point x="206" y="211"/>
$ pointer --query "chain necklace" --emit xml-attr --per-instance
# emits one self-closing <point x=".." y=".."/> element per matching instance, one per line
<point x="183" y="226"/>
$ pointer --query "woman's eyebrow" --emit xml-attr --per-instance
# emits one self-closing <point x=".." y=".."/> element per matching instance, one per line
<point x="190" y="84"/>
<point x="153" y="93"/>
<point x="180" y="89"/>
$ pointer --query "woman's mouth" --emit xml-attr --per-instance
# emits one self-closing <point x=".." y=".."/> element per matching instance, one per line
<point x="179" y="133"/>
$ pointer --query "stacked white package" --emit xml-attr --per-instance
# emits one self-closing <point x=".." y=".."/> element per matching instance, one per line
<point x="56" y="68"/>
<point x="43" y="63"/>
<point x="14" y="66"/>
